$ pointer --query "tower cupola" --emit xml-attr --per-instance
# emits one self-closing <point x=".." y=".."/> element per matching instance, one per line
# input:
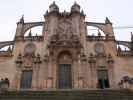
<point x="75" y="8"/>
<point x="53" y="7"/>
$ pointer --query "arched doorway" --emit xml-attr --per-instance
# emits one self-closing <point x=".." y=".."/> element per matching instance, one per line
<point x="64" y="70"/>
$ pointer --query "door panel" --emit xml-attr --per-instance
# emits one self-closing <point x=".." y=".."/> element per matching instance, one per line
<point x="26" y="79"/>
<point x="65" y="76"/>
<point x="103" y="79"/>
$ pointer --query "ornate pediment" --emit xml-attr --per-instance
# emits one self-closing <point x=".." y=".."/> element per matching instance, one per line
<point x="65" y="40"/>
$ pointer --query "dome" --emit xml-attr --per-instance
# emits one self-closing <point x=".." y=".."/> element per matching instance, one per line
<point x="53" y="7"/>
<point x="75" y="8"/>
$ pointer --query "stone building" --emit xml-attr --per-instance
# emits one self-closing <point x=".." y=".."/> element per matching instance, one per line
<point x="65" y="56"/>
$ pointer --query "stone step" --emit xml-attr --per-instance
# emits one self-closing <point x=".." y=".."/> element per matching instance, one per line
<point x="68" y="95"/>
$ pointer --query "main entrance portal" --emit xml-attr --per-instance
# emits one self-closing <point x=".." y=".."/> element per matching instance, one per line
<point x="65" y="76"/>
<point x="64" y="70"/>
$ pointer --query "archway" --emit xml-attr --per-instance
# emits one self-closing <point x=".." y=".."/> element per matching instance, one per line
<point x="64" y="70"/>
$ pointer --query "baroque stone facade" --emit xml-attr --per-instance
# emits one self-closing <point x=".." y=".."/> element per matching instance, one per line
<point x="65" y="56"/>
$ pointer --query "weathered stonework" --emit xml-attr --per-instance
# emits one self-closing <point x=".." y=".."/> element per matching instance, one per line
<point x="64" y="40"/>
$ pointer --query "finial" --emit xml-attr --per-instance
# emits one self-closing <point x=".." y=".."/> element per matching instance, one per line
<point x="82" y="13"/>
<point x="119" y="48"/>
<point x="9" y="49"/>
<point x="53" y="2"/>
<point x="131" y="37"/>
<point x="46" y="13"/>
<point x="64" y="11"/>
<point x="107" y="21"/>
<point x="54" y="7"/>
<point x="99" y="34"/>
<point x="75" y="2"/>
<point x="75" y="7"/>
<point x="30" y="34"/>
<point x="22" y="19"/>
<point x="36" y="34"/>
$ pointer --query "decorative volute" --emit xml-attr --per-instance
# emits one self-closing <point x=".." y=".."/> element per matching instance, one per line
<point x="53" y="7"/>
<point x="75" y="8"/>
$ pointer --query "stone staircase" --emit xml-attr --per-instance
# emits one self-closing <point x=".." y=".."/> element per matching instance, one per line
<point x="68" y="95"/>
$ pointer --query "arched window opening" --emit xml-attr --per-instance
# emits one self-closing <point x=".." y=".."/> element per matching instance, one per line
<point x="35" y="31"/>
<point x="94" y="31"/>
<point x="29" y="49"/>
<point x="64" y="71"/>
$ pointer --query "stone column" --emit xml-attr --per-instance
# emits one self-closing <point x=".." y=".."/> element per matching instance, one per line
<point x="50" y="74"/>
<point x="82" y="71"/>
<point x="93" y="72"/>
<point x="110" y="63"/>
<point x="36" y="75"/>
<point x="17" y="78"/>
<point x="54" y="75"/>
<point x="35" y="78"/>
<point x="93" y="75"/>
<point x="45" y="70"/>
<point x="89" y="75"/>
<point x="75" y="73"/>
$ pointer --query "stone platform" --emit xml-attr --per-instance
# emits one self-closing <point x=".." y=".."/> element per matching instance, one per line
<point x="68" y="95"/>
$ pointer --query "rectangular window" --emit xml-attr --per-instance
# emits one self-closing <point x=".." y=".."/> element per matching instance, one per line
<point x="26" y="79"/>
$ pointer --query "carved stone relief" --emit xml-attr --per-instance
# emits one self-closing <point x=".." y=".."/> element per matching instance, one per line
<point x="64" y="27"/>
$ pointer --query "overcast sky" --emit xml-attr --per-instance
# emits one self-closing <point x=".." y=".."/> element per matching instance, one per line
<point x="118" y="11"/>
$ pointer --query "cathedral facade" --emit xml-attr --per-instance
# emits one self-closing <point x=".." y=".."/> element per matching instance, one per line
<point x="65" y="56"/>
